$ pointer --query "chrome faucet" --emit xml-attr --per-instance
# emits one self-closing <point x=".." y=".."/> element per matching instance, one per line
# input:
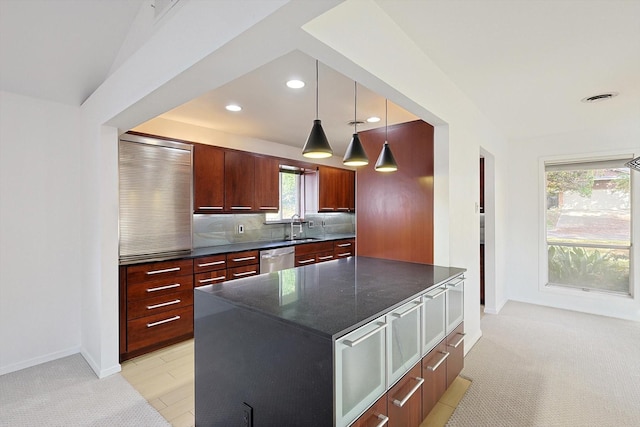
<point x="293" y="217"/>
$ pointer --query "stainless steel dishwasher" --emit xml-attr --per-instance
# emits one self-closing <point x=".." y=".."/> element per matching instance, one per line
<point x="277" y="259"/>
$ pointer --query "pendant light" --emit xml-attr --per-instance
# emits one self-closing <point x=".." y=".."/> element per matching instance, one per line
<point x="386" y="162"/>
<point x="355" y="154"/>
<point x="317" y="145"/>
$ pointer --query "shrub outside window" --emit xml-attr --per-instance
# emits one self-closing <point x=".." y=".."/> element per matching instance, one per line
<point x="588" y="225"/>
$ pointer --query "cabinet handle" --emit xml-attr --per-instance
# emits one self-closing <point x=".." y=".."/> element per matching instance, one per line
<point x="325" y="257"/>
<point x="268" y="208"/>
<point x="160" y="322"/>
<point x="166" y="270"/>
<point x="343" y="209"/>
<point x="244" y="259"/>
<point x="400" y="403"/>
<point x="208" y="264"/>
<point x="383" y="420"/>
<point x="327" y="209"/>
<point x="459" y="341"/>
<point x="210" y="208"/>
<point x="442" y="359"/>
<point x="442" y="292"/>
<point x="344" y="245"/>
<point x="357" y="341"/>
<point x="306" y="261"/>
<point x="244" y="274"/>
<point x="241" y="208"/>
<point x="417" y="306"/>
<point x="162" y="288"/>
<point x="164" y="304"/>
<point x="345" y="254"/>
<point x="213" y="279"/>
<point x="456" y="284"/>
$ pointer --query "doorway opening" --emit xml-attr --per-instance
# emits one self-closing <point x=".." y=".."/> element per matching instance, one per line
<point x="488" y="300"/>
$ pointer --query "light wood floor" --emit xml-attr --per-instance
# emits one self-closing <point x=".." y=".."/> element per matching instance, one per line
<point x="166" y="379"/>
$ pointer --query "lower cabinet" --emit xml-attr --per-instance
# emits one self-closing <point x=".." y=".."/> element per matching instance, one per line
<point x="404" y="400"/>
<point x="376" y="416"/>
<point x="455" y="348"/>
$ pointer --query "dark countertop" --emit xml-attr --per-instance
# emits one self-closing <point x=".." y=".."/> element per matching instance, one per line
<point x="237" y="247"/>
<point x="335" y="297"/>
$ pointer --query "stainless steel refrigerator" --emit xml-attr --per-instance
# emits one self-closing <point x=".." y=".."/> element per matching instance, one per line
<point x="155" y="184"/>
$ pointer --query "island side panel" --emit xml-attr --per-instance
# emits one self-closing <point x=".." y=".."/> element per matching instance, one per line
<point x="283" y="372"/>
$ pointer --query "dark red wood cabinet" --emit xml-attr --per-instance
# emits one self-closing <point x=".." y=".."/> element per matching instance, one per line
<point x="239" y="182"/>
<point x="267" y="184"/>
<point x="434" y="372"/>
<point x="208" y="179"/>
<point x="404" y="400"/>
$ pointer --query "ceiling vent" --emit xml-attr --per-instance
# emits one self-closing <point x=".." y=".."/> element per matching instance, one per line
<point x="599" y="97"/>
<point x="161" y="7"/>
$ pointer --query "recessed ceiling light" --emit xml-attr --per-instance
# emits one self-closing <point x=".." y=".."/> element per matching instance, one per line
<point x="233" y="107"/>
<point x="599" y="97"/>
<point x="295" y="84"/>
<point x="373" y="119"/>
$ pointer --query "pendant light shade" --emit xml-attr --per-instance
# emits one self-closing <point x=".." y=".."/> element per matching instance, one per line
<point x="355" y="154"/>
<point x="317" y="145"/>
<point x="386" y="162"/>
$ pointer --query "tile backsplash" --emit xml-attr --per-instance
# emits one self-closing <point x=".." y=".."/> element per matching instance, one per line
<point x="215" y="230"/>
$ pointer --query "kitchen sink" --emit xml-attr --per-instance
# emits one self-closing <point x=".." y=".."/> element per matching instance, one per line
<point x="302" y="240"/>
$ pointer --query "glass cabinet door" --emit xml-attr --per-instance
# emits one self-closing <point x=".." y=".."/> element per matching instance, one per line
<point x="403" y="337"/>
<point x="433" y="318"/>
<point x="455" y="302"/>
<point x="360" y="370"/>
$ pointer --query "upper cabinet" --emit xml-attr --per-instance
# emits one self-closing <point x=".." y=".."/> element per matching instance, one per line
<point x="267" y="184"/>
<point x="239" y="185"/>
<point x="208" y="179"/>
<point x="332" y="190"/>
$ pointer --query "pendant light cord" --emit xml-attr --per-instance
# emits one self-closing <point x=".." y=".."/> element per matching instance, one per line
<point x="355" y="107"/>
<point x="317" y="78"/>
<point x="385" y="121"/>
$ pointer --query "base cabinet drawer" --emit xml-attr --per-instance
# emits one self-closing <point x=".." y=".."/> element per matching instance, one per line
<point x="158" y="270"/>
<point x="210" y="277"/>
<point x="434" y="372"/>
<point x="237" y="259"/>
<point x="240" y="272"/>
<point x="158" y="304"/>
<point x="150" y="330"/>
<point x="376" y="416"/>
<point x="159" y="287"/>
<point x="405" y="400"/>
<point x="455" y="348"/>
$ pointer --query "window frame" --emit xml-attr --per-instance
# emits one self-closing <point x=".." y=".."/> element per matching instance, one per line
<point x="551" y="288"/>
<point x="301" y="198"/>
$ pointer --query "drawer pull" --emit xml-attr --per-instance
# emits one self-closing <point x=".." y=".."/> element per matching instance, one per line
<point x="246" y="273"/>
<point x="355" y="342"/>
<point x="456" y="284"/>
<point x="162" y="288"/>
<point x="344" y="245"/>
<point x="345" y="254"/>
<point x="327" y="209"/>
<point x="209" y="264"/>
<point x="166" y="270"/>
<point x="439" y="362"/>
<point x="459" y="342"/>
<point x="442" y="292"/>
<point x="210" y="208"/>
<point x="160" y="322"/>
<point x="306" y="261"/>
<point x="244" y="259"/>
<point x="268" y="208"/>
<point x="164" y="304"/>
<point x="343" y="209"/>
<point x="417" y="306"/>
<point x="383" y="420"/>
<point x="400" y="403"/>
<point x="241" y="208"/>
<point x="325" y="257"/>
<point x="213" y="279"/>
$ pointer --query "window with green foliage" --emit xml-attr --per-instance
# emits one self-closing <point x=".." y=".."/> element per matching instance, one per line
<point x="290" y="197"/>
<point x="588" y="225"/>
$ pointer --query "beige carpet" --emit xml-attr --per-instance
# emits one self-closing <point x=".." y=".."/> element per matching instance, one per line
<point x="538" y="366"/>
<point x="66" y="392"/>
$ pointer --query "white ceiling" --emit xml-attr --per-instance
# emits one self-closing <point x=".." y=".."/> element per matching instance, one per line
<point x="525" y="63"/>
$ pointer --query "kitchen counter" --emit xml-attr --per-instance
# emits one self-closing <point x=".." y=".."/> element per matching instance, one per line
<point x="335" y="297"/>
<point x="264" y="345"/>
<point x="238" y="247"/>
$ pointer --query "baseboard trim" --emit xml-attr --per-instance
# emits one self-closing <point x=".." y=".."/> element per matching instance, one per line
<point x="38" y="360"/>
<point x="497" y="309"/>
<point x="471" y="340"/>
<point x="100" y="373"/>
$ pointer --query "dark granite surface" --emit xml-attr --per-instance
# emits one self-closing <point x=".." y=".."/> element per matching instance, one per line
<point x="335" y="297"/>
<point x="238" y="247"/>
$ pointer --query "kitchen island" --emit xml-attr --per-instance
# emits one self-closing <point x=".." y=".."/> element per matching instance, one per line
<point x="265" y="345"/>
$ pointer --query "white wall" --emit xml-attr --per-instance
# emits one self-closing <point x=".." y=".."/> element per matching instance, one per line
<point x="523" y="260"/>
<point x="40" y="255"/>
